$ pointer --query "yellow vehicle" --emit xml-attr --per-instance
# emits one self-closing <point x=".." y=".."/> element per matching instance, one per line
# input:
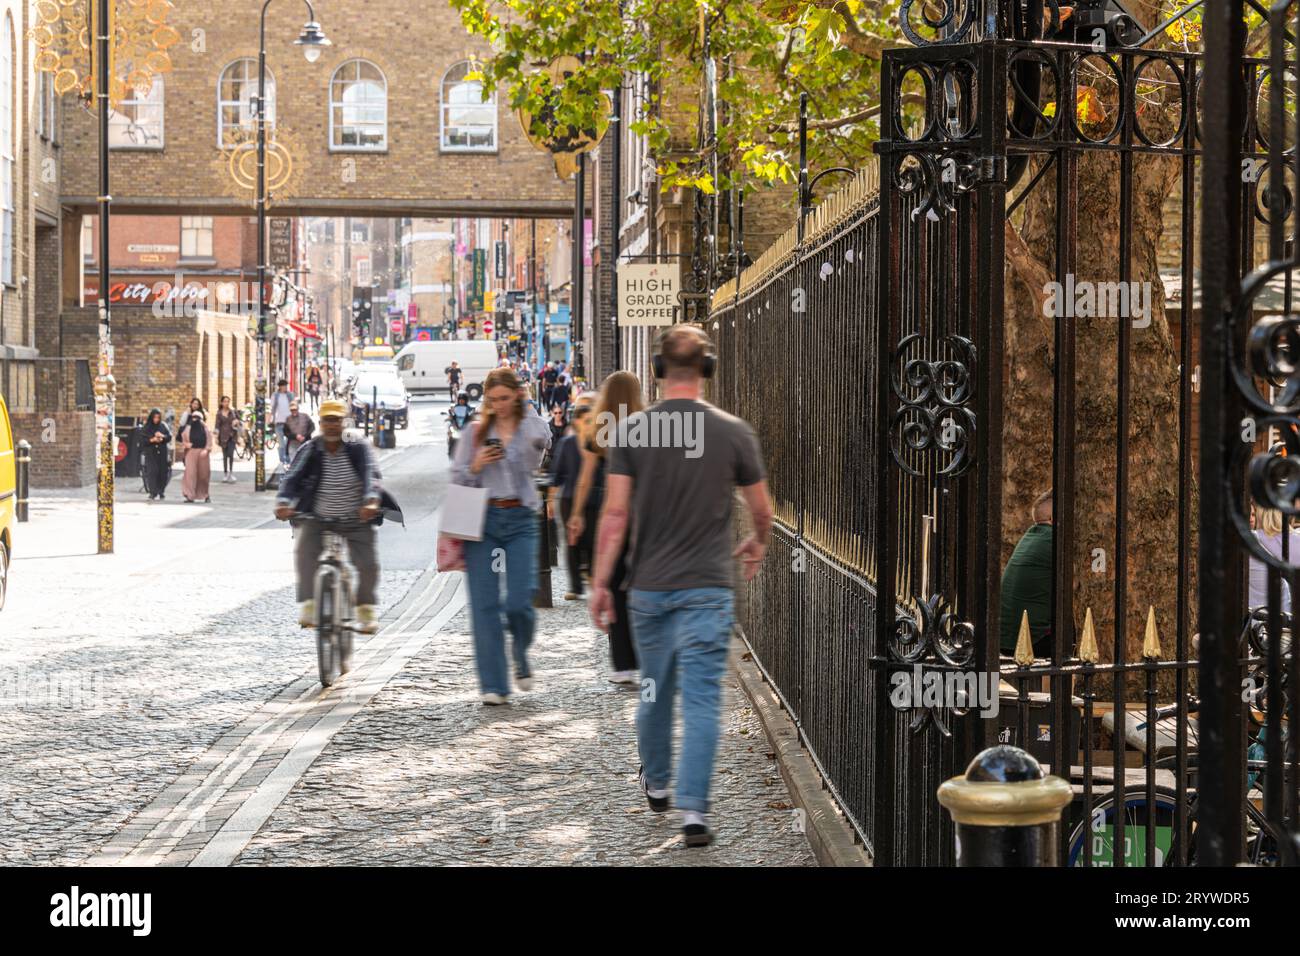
<point x="8" y="493"/>
<point x="375" y="353"/>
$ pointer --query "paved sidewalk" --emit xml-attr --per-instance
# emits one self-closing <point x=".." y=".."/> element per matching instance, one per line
<point x="426" y="775"/>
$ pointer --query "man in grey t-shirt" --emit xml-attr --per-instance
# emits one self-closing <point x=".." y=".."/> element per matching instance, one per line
<point x="674" y="469"/>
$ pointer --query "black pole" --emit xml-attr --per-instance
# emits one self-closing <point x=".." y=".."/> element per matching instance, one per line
<point x="532" y="298"/>
<point x="803" y="161"/>
<point x="579" y="249"/>
<point x="259" y="402"/>
<point x="616" y="121"/>
<point x="1219" y="803"/>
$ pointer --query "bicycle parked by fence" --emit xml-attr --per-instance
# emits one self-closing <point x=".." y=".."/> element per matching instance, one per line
<point x="1261" y="840"/>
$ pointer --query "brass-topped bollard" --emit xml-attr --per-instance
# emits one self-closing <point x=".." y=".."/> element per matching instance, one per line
<point x="1006" y="811"/>
<point x="22" y="479"/>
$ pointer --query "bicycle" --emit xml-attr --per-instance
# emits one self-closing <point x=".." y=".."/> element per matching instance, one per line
<point x="335" y="624"/>
<point x="1263" y="847"/>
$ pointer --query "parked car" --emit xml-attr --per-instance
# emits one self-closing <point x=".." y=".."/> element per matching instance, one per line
<point x="8" y="494"/>
<point x="423" y="365"/>
<point x="380" y="384"/>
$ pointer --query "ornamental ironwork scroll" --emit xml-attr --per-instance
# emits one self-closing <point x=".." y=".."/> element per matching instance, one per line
<point x="935" y="397"/>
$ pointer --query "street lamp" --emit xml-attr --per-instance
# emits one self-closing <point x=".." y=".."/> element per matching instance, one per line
<point x="313" y="41"/>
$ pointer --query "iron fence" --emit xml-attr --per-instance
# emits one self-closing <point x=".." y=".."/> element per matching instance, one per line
<point x="892" y="358"/>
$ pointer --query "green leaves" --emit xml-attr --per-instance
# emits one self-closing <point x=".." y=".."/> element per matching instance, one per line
<point x="766" y="52"/>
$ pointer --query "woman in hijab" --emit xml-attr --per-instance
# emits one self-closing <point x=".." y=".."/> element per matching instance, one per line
<point x="196" y="405"/>
<point x="157" y="462"/>
<point x="196" y="441"/>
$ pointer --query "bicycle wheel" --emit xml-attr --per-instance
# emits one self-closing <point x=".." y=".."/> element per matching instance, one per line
<point x="326" y="619"/>
<point x="1100" y="830"/>
<point x="344" y="628"/>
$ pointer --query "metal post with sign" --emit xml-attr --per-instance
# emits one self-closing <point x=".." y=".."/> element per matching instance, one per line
<point x="647" y="293"/>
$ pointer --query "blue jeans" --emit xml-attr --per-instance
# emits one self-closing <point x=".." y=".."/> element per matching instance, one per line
<point x="681" y="637"/>
<point x="282" y="446"/>
<point x="508" y="551"/>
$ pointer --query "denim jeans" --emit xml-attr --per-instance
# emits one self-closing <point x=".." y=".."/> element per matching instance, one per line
<point x="681" y="638"/>
<point x="507" y="552"/>
<point x="282" y="445"/>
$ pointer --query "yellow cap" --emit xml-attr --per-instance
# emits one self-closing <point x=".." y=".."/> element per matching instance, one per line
<point x="333" y="407"/>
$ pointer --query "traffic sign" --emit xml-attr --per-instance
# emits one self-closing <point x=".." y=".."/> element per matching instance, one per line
<point x="488" y="327"/>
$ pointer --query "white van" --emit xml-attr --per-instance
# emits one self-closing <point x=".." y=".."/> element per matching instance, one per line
<point x="422" y="366"/>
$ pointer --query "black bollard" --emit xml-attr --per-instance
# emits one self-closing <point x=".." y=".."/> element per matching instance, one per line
<point x="542" y="596"/>
<point x="22" y="479"/>
<point x="1005" y="810"/>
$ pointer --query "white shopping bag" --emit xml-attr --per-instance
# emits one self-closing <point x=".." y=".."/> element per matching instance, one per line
<point x="463" y="511"/>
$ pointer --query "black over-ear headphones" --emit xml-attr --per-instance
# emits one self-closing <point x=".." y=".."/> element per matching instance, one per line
<point x="706" y="367"/>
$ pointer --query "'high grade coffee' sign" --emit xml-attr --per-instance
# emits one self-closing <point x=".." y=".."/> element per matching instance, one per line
<point x="647" y="293"/>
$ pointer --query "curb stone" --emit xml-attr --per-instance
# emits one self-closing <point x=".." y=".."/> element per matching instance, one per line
<point x="828" y="832"/>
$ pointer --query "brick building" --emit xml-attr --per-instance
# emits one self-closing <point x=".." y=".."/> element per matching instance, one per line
<point x="385" y="125"/>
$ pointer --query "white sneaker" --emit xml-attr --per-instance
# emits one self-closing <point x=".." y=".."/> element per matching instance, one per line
<point x="524" y="683"/>
<point x="625" y="677"/>
<point x="307" y="614"/>
<point x="493" y="699"/>
<point x="367" y="619"/>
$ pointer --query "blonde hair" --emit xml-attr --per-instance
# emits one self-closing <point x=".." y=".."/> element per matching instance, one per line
<point x="620" y="394"/>
<point x="497" y="378"/>
<point x="1269" y="521"/>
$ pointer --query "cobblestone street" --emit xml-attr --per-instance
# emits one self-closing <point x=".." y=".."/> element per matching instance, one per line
<point x="161" y="707"/>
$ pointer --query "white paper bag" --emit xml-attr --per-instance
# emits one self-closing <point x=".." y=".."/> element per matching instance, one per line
<point x="463" y="511"/>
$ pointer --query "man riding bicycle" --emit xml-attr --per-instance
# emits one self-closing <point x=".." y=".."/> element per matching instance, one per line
<point x="333" y="478"/>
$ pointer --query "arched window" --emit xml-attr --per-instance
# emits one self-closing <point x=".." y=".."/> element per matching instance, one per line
<point x="237" y="101"/>
<point x="137" y="123"/>
<point x="358" y="107"/>
<point x="469" y="120"/>
<point x="8" y="58"/>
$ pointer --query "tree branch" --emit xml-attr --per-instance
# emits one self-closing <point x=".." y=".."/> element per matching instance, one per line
<point x="837" y="121"/>
<point x="858" y="40"/>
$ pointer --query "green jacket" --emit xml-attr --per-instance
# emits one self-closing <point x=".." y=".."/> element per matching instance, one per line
<point x="1027" y="586"/>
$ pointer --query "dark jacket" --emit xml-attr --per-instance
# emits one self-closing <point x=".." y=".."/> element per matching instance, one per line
<point x="566" y="466"/>
<point x="298" y="487"/>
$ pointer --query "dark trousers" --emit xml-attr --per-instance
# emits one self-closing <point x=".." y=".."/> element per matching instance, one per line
<point x="622" y="654"/>
<point x="573" y="553"/>
<point x="228" y="456"/>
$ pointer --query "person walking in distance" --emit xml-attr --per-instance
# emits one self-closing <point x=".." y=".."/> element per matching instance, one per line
<point x="314" y="384"/>
<point x="227" y="427"/>
<point x="297" y="428"/>
<point x="196" y="405"/>
<point x="156" y="460"/>
<point x="547" y="378"/>
<point x="502" y="453"/>
<point x="454" y="378"/>
<point x="196" y="444"/>
<point x="620" y="397"/>
<point x="682" y="578"/>
<point x="565" y="466"/>
<point x="280" y="412"/>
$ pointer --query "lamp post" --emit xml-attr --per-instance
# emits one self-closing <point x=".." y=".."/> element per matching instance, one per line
<point x="105" y="386"/>
<point x="312" y="40"/>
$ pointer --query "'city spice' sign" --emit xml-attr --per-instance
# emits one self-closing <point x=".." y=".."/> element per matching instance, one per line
<point x="647" y="293"/>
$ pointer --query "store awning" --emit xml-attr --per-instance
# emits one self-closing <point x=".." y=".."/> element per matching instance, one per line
<point x="305" y="330"/>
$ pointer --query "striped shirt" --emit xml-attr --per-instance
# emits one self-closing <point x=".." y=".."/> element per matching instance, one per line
<point x="339" y="493"/>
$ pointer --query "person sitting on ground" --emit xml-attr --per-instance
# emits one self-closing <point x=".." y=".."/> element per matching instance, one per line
<point x="333" y="478"/>
<point x="1027" y="583"/>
